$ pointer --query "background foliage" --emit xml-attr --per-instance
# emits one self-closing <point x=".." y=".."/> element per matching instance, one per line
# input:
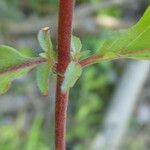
<point x="27" y="129"/>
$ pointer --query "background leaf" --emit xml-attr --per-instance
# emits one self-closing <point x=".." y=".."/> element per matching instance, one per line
<point x="35" y="134"/>
<point x="43" y="73"/>
<point x="72" y="74"/>
<point x="133" y="43"/>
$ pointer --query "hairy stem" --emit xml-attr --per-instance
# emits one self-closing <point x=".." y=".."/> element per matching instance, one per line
<point x="30" y="63"/>
<point x="98" y="58"/>
<point x="64" y="38"/>
<point x="90" y="60"/>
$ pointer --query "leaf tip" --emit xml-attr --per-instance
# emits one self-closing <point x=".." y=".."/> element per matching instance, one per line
<point x="45" y="29"/>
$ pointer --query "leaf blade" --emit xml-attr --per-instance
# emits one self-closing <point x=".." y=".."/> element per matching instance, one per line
<point x="75" y="44"/>
<point x="73" y="72"/>
<point x="44" y="39"/>
<point x="6" y="79"/>
<point x="10" y="59"/>
<point x="131" y="43"/>
<point x="42" y="77"/>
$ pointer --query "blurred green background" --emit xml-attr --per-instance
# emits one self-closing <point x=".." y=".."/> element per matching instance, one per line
<point x="26" y="117"/>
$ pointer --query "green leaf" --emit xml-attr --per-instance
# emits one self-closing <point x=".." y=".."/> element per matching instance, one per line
<point x="75" y="44"/>
<point x="73" y="72"/>
<point x="6" y="79"/>
<point x="44" y="39"/>
<point x="133" y="43"/>
<point x="9" y="57"/>
<point x="44" y="55"/>
<point x="75" y="48"/>
<point x="85" y="53"/>
<point x="10" y="60"/>
<point x="46" y="43"/>
<point x="43" y="74"/>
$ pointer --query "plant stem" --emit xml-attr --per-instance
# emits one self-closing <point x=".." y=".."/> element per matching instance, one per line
<point x="28" y="64"/>
<point x="66" y="8"/>
<point x="90" y="60"/>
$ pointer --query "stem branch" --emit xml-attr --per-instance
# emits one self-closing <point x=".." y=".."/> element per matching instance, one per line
<point x="90" y="60"/>
<point x="28" y="64"/>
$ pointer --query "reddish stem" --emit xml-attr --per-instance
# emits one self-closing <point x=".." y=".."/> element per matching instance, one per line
<point x="28" y="64"/>
<point x="64" y="38"/>
<point x="97" y="58"/>
<point x="90" y="60"/>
